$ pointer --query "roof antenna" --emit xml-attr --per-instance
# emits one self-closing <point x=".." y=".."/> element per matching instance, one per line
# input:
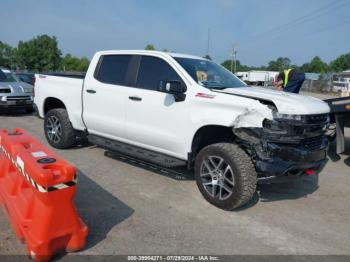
<point x="208" y="43"/>
<point x="207" y="56"/>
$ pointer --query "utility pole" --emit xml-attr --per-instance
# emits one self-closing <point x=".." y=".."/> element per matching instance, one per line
<point x="235" y="52"/>
<point x="234" y="58"/>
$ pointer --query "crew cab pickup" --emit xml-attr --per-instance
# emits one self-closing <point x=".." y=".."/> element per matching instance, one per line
<point x="175" y="109"/>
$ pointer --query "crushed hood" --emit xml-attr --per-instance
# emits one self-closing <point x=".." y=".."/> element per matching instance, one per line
<point x="286" y="103"/>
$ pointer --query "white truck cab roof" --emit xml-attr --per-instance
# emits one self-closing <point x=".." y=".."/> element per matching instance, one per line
<point x="148" y="52"/>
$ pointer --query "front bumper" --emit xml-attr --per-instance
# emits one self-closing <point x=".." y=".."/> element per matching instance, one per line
<point x="287" y="149"/>
<point x="17" y="103"/>
<point x="292" y="148"/>
<point x="285" y="162"/>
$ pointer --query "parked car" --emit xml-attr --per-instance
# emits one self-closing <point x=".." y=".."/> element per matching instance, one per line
<point x="28" y="78"/>
<point x="175" y="109"/>
<point x="14" y="93"/>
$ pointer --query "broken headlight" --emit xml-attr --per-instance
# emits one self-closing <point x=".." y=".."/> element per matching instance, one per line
<point x="274" y="126"/>
<point x="279" y="116"/>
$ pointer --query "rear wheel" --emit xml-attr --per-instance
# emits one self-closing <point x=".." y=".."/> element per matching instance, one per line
<point x="58" y="129"/>
<point x="225" y="175"/>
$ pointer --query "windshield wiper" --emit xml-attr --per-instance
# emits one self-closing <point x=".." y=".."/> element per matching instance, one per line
<point x="217" y="87"/>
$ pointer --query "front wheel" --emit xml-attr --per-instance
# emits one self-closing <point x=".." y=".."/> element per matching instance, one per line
<point x="225" y="175"/>
<point x="58" y="129"/>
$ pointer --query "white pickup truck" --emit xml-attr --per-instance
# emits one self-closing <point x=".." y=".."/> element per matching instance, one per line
<point x="174" y="109"/>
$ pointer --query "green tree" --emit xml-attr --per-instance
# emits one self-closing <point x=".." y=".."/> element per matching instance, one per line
<point x="280" y="64"/>
<point x="72" y="63"/>
<point x="150" y="47"/>
<point x="341" y="63"/>
<point x="316" y="65"/>
<point x="40" y="54"/>
<point x="7" y="58"/>
<point x="239" y="67"/>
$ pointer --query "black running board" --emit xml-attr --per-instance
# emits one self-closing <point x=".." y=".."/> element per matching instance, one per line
<point x="137" y="152"/>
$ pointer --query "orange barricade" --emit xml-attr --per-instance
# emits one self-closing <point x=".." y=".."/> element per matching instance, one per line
<point x="36" y="190"/>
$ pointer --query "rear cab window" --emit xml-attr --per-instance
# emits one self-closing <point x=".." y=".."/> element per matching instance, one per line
<point x="112" y="69"/>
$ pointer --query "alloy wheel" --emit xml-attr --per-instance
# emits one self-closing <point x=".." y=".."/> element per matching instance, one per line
<point x="54" y="129"/>
<point x="217" y="177"/>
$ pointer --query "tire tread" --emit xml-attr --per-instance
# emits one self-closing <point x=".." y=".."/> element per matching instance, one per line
<point x="247" y="173"/>
<point x="68" y="133"/>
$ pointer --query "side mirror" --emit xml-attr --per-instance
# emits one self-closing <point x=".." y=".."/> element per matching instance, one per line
<point x="175" y="88"/>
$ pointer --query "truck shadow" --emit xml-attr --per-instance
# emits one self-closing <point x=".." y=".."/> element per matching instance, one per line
<point x="347" y="161"/>
<point x="82" y="142"/>
<point x="332" y="152"/>
<point x="178" y="173"/>
<point x="295" y="189"/>
<point x="286" y="191"/>
<point x="265" y="192"/>
<point x="99" y="209"/>
<point x="14" y="113"/>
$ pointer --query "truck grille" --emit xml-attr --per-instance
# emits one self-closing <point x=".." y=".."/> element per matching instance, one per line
<point x="14" y="98"/>
<point x="316" y="119"/>
<point x="313" y="143"/>
<point x="5" y="90"/>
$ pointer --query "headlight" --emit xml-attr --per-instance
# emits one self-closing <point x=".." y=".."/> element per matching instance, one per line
<point x="3" y="98"/>
<point x="28" y="90"/>
<point x="279" y="116"/>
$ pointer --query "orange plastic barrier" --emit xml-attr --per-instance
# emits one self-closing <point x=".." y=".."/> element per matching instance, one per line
<point x="36" y="190"/>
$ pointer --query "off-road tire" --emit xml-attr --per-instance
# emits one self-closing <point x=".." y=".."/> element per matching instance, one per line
<point x="68" y="136"/>
<point x="245" y="177"/>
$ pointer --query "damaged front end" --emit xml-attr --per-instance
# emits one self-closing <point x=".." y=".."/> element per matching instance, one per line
<point x="286" y="146"/>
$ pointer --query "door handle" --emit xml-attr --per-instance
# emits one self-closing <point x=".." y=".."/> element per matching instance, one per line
<point x="135" y="98"/>
<point x="91" y="91"/>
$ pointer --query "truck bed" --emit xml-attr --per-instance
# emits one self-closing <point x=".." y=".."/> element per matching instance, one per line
<point x="64" y="88"/>
<point x="64" y="74"/>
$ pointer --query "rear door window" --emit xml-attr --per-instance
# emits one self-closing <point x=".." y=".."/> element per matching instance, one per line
<point x="113" y="69"/>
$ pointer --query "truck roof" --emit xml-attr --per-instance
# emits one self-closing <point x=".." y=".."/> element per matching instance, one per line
<point x="148" y="52"/>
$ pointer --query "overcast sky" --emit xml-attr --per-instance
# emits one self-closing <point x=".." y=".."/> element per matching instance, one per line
<point x="263" y="29"/>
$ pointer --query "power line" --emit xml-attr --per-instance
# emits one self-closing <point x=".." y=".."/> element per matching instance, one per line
<point x="314" y="31"/>
<point x="330" y="27"/>
<point x="312" y="15"/>
<point x="297" y="25"/>
<point x="301" y="18"/>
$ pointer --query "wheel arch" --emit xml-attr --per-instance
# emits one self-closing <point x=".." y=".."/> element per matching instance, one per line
<point x="207" y="135"/>
<point x="52" y="103"/>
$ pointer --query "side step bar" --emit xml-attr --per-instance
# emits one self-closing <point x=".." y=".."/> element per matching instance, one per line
<point x="137" y="152"/>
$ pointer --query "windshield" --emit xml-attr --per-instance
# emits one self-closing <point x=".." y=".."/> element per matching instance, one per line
<point x="209" y="74"/>
<point x="7" y="77"/>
